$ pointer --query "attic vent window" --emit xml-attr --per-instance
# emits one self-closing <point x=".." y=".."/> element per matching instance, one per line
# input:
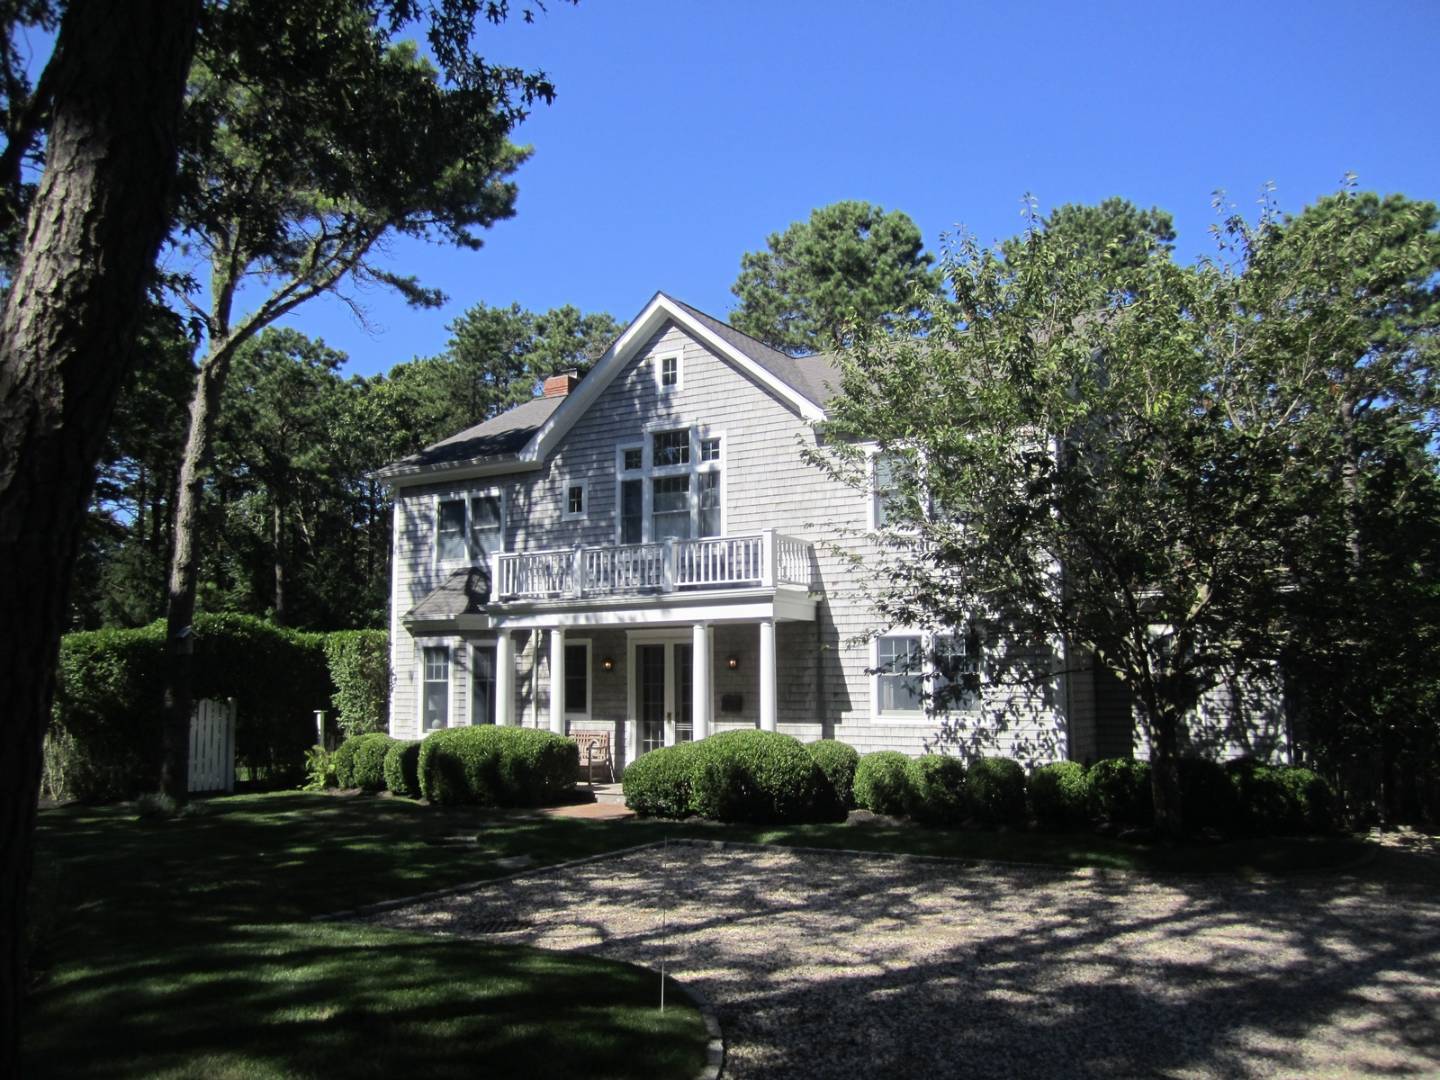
<point x="667" y="372"/>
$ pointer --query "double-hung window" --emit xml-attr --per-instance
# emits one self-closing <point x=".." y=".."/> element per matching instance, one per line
<point x="905" y="662"/>
<point x="469" y="529"/>
<point x="435" y="699"/>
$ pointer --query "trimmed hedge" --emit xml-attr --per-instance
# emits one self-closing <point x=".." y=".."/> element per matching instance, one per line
<point x="402" y="768"/>
<point x="1120" y="792"/>
<point x="995" y="788"/>
<point x="657" y="784"/>
<point x="1281" y="799"/>
<point x="105" y="739"/>
<point x="359" y="662"/>
<point x="496" y="766"/>
<point x="360" y="761"/>
<point x="759" y="776"/>
<point x="754" y="776"/>
<point x="938" y="790"/>
<point x="838" y="761"/>
<point x="882" y="783"/>
<point x="1059" y="794"/>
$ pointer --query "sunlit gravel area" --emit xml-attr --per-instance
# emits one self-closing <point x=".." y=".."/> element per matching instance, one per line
<point x="831" y="964"/>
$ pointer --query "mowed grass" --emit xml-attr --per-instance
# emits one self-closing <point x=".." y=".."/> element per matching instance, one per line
<point x="185" y="947"/>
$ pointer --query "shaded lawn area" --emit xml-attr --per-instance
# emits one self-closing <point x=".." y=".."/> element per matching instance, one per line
<point x="183" y="947"/>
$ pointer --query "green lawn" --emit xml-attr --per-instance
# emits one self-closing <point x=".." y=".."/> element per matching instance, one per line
<point x="184" y="947"/>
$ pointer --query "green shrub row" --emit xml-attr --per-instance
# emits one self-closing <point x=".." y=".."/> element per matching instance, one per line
<point x="105" y="738"/>
<point x="753" y="776"/>
<point x="1237" y="797"/>
<point x="360" y="761"/>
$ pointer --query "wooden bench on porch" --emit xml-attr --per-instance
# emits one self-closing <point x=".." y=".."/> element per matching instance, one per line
<point x="594" y="750"/>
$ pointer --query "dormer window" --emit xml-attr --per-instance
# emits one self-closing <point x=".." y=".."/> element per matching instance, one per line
<point x="667" y="373"/>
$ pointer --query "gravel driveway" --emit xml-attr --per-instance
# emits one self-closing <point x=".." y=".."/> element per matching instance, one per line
<point x="827" y="964"/>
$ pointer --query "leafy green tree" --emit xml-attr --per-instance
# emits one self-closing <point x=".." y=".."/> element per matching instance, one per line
<point x="1114" y="235"/>
<point x="1130" y="456"/>
<point x="852" y="263"/>
<point x="313" y="143"/>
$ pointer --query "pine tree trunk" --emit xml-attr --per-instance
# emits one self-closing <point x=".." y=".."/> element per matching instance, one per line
<point x="179" y="697"/>
<point x="67" y="341"/>
<point x="278" y="539"/>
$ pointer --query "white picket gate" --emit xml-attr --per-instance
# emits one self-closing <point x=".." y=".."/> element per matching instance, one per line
<point x="212" y="746"/>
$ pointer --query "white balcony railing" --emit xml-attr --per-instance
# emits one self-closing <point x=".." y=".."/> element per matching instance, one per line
<point x="759" y="560"/>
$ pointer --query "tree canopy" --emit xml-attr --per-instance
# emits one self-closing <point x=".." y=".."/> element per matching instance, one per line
<point x="850" y="264"/>
<point x="1130" y="455"/>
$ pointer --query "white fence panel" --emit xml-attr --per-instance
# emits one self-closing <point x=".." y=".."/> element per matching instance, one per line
<point x="212" y="746"/>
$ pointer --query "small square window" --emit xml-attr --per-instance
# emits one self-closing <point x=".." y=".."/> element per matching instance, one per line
<point x="669" y="371"/>
<point x="710" y="449"/>
<point x="634" y="458"/>
<point x="575" y="500"/>
<point x="670" y="448"/>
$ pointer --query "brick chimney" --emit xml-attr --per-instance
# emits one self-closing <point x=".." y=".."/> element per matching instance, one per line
<point x="561" y="385"/>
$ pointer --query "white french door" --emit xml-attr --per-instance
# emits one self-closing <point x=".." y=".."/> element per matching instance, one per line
<point x="662" y="691"/>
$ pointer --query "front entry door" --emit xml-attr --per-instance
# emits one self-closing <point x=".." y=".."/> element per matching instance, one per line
<point x="664" y="701"/>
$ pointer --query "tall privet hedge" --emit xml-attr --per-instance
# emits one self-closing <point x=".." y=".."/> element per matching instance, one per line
<point x="360" y="668"/>
<point x="105" y="732"/>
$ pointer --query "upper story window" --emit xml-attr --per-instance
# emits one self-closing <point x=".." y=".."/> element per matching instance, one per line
<point x="469" y="529"/>
<point x="577" y="500"/>
<point x="672" y="487"/>
<point x="667" y="372"/>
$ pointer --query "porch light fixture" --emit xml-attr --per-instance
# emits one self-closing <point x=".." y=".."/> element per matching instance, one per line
<point x="732" y="662"/>
<point x="608" y="664"/>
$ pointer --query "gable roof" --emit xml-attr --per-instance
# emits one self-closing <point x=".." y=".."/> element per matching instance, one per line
<point x="522" y="437"/>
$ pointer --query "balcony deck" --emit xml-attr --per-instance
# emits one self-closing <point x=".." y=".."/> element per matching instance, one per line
<point x="763" y="560"/>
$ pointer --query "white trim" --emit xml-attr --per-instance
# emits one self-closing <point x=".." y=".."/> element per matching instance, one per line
<point x="395" y="517"/>
<point x="566" y="514"/>
<point x="658" y="360"/>
<point x="926" y="714"/>
<point x="656" y="313"/>
<point x="668" y="638"/>
<point x="728" y="606"/>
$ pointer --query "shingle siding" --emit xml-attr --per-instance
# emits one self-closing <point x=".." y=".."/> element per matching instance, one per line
<point x="824" y="685"/>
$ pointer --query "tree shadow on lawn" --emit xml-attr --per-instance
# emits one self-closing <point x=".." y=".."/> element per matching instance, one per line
<point x="838" y="965"/>
<point x="326" y="1000"/>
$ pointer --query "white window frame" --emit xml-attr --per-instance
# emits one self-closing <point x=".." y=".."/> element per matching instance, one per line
<point x="926" y="713"/>
<point x="659" y="361"/>
<point x="589" y="709"/>
<point x="465" y="495"/>
<point x="421" y="645"/>
<point x="649" y="471"/>
<point x="566" y="514"/>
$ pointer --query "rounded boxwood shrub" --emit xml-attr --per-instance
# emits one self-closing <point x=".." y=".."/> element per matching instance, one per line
<point x="1262" y="800"/>
<point x="882" y="782"/>
<point x="1207" y="796"/>
<point x="1120" y="792"/>
<point x="657" y="784"/>
<point x="937" y="790"/>
<point x="995" y="790"/>
<point x="496" y="766"/>
<point x="1059" y="794"/>
<point x="402" y="768"/>
<point x="838" y="761"/>
<point x="360" y="761"/>
<point x="759" y="776"/>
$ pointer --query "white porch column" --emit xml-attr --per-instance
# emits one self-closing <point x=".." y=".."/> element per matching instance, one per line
<point x="700" y="668"/>
<point x="767" y="675"/>
<point x="557" y="680"/>
<point x="504" y="678"/>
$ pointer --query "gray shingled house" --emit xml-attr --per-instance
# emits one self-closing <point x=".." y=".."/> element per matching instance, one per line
<point x="645" y="553"/>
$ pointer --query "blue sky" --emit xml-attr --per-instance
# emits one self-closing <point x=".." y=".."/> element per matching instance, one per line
<point x="685" y="133"/>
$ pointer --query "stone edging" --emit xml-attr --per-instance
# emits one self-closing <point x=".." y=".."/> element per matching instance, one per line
<point x="715" y="1046"/>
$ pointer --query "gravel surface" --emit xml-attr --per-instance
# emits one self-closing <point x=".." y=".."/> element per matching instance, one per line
<point x="838" y="965"/>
